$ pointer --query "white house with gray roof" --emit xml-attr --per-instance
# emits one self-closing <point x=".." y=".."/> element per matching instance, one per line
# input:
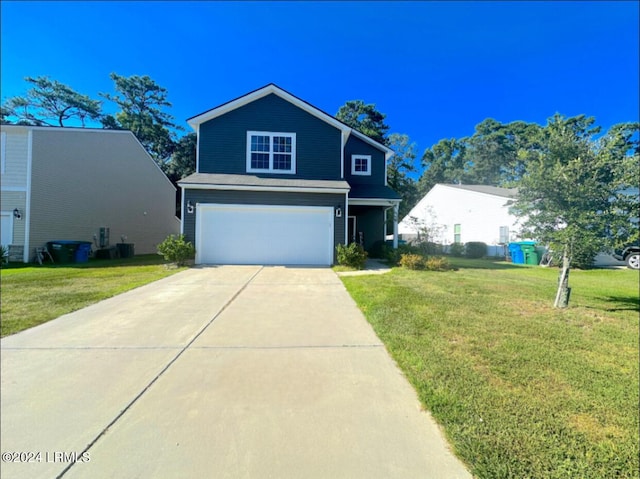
<point x="463" y="213"/>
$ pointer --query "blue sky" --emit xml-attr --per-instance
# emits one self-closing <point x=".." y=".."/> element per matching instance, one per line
<point x="436" y="69"/>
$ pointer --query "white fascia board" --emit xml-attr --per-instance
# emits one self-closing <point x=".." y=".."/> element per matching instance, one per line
<point x="284" y="189"/>
<point x="344" y="135"/>
<point x="198" y="149"/>
<point x="256" y="95"/>
<point x="373" y="202"/>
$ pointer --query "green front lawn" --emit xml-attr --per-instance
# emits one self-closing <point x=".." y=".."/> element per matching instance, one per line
<point x="521" y="389"/>
<point x="32" y="295"/>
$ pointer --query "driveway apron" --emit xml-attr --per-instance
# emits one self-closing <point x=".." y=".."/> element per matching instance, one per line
<point x="215" y="372"/>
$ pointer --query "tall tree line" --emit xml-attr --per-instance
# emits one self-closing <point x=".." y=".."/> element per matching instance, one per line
<point x="141" y="106"/>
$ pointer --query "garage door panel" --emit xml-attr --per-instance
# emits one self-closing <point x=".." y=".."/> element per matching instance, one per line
<point x="258" y="234"/>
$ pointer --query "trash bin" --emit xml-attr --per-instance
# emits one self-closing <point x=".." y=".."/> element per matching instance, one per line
<point x="516" y="253"/>
<point x="69" y="251"/>
<point x="62" y="251"/>
<point x="81" y="254"/>
<point x="530" y="253"/>
<point x="126" y="250"/>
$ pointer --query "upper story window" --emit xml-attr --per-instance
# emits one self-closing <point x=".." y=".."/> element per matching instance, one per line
<point x="271" y="152"/>
<point x="361" y="165"/>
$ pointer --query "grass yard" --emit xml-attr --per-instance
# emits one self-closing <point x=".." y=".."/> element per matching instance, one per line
<point x="522" y="390"/>
<point x="33" y="295"/>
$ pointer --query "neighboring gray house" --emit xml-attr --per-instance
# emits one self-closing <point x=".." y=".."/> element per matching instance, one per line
<point x="67" y="183"/>
<point x="279" y="181"/>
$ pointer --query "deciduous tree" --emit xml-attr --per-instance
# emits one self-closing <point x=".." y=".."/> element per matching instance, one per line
<point x="570" y="195"/>
<point x="398" y="168"/>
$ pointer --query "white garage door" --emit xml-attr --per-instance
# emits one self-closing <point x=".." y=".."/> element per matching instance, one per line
<point x="260" y="234"/>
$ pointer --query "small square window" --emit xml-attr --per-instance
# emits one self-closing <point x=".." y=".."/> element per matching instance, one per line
<point x="361" y="165"/>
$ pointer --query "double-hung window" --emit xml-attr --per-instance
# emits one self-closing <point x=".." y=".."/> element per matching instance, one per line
<point x="271" y="152"/>
<point x="361" y="165"/>
<point x="457" y="234"/>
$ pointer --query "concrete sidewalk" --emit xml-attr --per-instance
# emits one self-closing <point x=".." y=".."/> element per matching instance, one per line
<point x="238" y="372"/>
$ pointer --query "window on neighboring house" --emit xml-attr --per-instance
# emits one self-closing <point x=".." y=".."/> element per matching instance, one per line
<point x="361" y="165"/>
<point x="504" y="235"/>
<point x="271" y="152"/>
<point x="457" y="235"/>
<point x="3" y="148"/>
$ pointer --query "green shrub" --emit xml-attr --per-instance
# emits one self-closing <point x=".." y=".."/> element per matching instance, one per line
<point x="437" y="263"/>
<point x="583" y="256"/>
<point x="430" y="248"/>
<point x="352" y="255"/>
<point x="392" y="256"/>
<point x="176" y="249"/>
<point x="4" y="255"/>
<point x="456" y="250"/>
<point x="412" y="261"/>
<point x="475" y="249"/>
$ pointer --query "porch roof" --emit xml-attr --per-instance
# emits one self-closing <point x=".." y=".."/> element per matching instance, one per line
<point x="231" y="182"/>
<point x="373" y="192"/>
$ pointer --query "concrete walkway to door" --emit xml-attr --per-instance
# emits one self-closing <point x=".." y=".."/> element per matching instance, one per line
<point x="215" y="372"/>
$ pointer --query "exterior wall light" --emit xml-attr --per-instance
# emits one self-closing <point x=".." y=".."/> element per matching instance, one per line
<point x="16" y="214"/>
<point x="190" y="207"/>
<point x="338" y="212"/>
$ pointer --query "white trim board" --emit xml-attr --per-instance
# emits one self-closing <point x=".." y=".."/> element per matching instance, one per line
<point x="284" y="189"/>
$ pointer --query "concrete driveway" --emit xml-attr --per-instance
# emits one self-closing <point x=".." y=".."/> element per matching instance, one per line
<point x="216" y="372"/>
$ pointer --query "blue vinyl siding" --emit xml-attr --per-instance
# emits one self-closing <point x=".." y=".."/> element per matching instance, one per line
<point x="355" y="146"/>
<point x="369" y="222"/>
<point x="223" y="140"/>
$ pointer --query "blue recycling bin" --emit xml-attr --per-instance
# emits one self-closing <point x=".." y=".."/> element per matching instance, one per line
<point x="516" y="253"/>
<point x="81" y="254"/>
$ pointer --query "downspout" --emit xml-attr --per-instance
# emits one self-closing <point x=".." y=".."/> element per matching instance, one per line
<point x="395" y="207"/>
<point x="183" y="211"/>
<point x="346" y="218"/>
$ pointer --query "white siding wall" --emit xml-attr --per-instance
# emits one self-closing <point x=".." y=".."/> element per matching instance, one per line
<point x="479" y="215"/>
<point x="13" y="180"/>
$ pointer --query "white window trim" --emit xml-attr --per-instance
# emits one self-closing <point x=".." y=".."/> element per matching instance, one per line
<point x="271" y="134"/>
<point x="3" y="151"/>
<point x="353" y="165"/>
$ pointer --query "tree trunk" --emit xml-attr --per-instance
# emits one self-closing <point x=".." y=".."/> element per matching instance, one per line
<point x="564" y="291"/>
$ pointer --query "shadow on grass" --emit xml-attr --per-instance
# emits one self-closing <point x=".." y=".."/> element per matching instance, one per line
<point x="464" y="263"/>
<point x="140" y="260"/>
<point x="623" y="303"/>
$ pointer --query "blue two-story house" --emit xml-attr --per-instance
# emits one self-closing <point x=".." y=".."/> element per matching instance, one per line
<point x="279" y="181"/>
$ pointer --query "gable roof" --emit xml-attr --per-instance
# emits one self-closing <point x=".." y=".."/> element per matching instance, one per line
<point x="272" y="88"/>
<point x="488" y="190"/>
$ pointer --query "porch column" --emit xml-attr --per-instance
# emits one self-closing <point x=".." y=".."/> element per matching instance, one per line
<point x="395" y="225"/>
